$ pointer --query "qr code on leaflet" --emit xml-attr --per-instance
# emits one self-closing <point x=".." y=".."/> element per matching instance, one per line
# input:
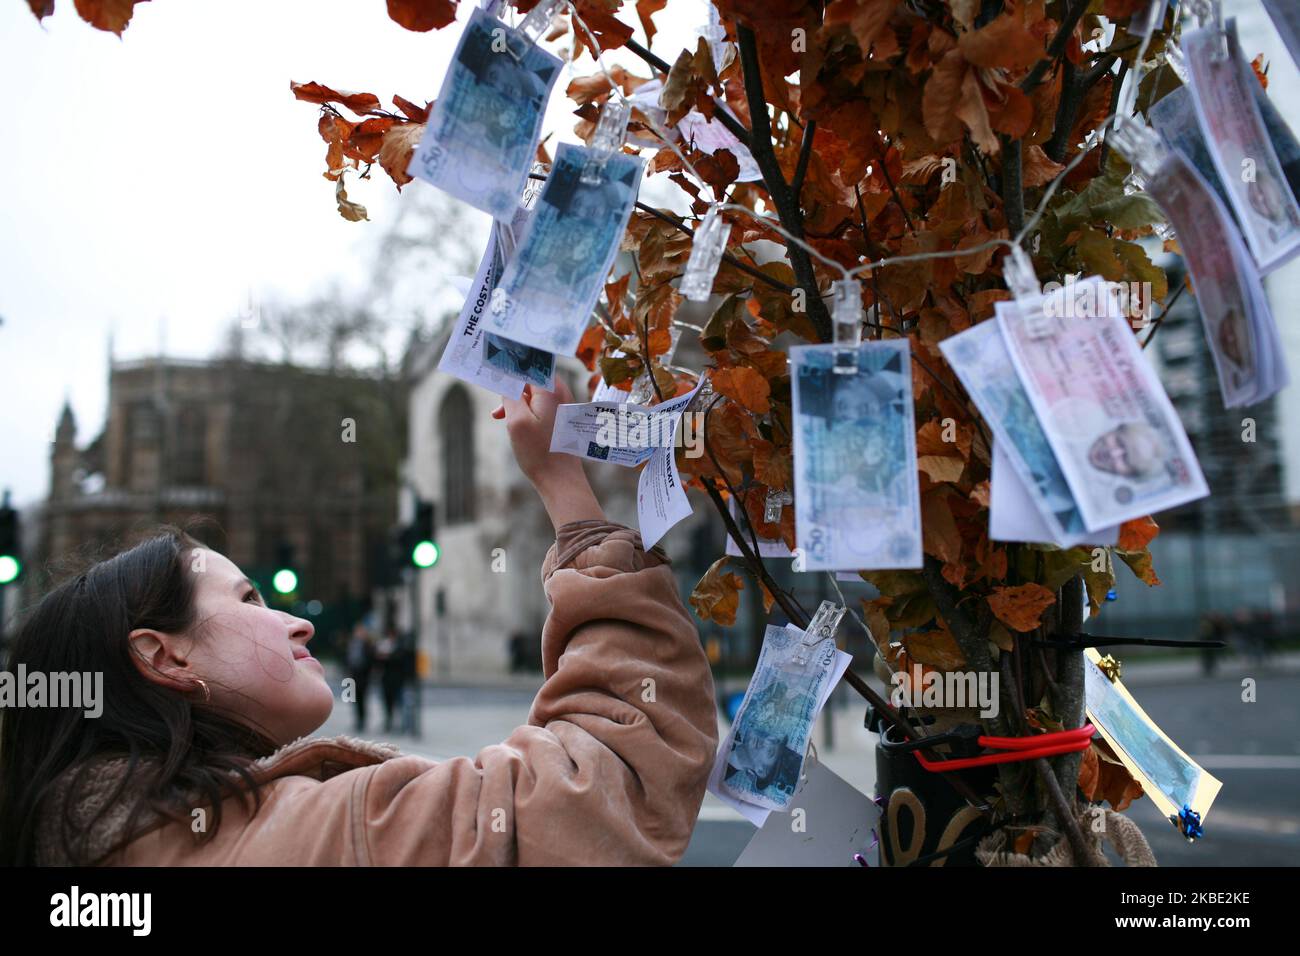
<point x="599" y="452"/>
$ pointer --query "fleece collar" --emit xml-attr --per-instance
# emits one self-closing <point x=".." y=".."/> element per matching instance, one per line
<point x="317" y="757"/>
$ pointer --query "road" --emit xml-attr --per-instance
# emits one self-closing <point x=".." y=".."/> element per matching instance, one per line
<point x="1252" y="747"/>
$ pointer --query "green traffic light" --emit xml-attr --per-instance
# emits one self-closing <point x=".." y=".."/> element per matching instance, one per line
<point x="425" y="554"/>
<point x="285" y="581"/>
<point x="10" y="568"/>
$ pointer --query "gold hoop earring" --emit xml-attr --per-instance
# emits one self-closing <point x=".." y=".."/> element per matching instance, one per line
<point x="207" y="694"/>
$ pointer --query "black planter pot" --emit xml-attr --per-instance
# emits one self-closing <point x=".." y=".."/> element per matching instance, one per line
<point x="924" y="820"/>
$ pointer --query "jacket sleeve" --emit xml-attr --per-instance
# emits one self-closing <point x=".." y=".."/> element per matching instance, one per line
<point x="612" y="764"/>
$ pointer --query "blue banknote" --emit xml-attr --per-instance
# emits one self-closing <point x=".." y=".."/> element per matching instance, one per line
<point x="552" y="282"/>
<point x="482" y="132"/>
<point x="776" y="718"/>
<point x="856" y="493"/>
<point x="519" y="361"/>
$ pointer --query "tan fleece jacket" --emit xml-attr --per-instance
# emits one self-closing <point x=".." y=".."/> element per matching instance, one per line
<point x="610" y="767"/>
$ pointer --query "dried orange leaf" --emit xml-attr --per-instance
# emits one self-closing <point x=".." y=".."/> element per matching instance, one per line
<point x="1021" y="607"/>
<point x="717" y="595"/>
<point x="422" y="15"/>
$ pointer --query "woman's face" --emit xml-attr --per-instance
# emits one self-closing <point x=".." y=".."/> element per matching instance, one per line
<point x="253" y="658"/>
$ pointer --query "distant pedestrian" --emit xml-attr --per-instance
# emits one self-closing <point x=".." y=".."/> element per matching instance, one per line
<point x="410" y="693"/>
<point x="392" y="674"/>
<point x="361" y="660"/>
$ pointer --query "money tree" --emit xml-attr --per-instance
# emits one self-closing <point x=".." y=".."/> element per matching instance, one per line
<point x="926" y="129"/>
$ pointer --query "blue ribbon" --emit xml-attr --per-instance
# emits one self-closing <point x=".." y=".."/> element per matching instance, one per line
<point x="1189" y="822"/>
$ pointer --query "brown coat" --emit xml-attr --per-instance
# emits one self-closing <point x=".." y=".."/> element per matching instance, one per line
<point x="609" y="769"/>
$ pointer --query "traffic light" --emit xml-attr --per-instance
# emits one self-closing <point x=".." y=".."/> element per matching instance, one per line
<point x="11" y="562"/>
<point x="285" y="579"/>
<point x="424" y="551"/>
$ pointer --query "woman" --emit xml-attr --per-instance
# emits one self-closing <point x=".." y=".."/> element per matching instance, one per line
<point x="197" y="757"/>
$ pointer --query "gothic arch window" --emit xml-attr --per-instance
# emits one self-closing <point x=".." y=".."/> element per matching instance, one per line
<point x="456" y="445"/>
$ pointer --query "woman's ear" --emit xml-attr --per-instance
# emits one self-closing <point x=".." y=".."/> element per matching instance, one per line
<point x="157" y="656"/>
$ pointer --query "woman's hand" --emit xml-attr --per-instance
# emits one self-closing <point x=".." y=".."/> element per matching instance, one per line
<point x="558" y="478"/>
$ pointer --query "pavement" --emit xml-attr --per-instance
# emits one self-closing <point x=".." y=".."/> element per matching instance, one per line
<point x="1252" y="747"/>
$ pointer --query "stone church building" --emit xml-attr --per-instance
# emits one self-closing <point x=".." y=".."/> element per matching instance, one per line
<point x="261" y="450"/>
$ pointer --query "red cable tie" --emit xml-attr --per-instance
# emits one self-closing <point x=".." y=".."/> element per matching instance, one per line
<point x="1024" y="748"/>
<point x="1039" y="740"/>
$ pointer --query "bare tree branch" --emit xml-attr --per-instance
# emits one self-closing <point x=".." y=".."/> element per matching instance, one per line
<point x="787" y="208"/>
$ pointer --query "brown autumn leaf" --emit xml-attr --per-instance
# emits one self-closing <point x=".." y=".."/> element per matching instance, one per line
<point x="873" y="615"/>
<point x="1122" y="9"/>
<point x="1103" y="777"/>
<point x="936" y="647"/>
<point x="1257" y="66"/>
<point x="1020" y="607"/>
<point x="416" y="114"/>
<point x="717" y="595"/>
<point x="395" y="154"/>
<point x="610" y="32"/>
<point x="1137" y="534"/>
<point x="368" y="137"/>
<point x="1139" y="562"/>
<point x="588" y="89"/>
<point x="941" y="467"/>
<point x="943" y="92"/>
<point x="773" y="465"/>
<point x="335" y="130"/>
<point x="688" y="83"/>
<point x="1000" y="636"/>
<point x="1036" y="169"/>
<point x="616" y="369"/>
<point x="351" y="211"/>
<point x="644" y="10"/>
<point x="745" y="386"/>
<point x="591" y="345"/>
<point x="974" y="112"/>
<point x="314" y="92"/>
<point x="422" y="15"/>
<point x="939" y="532"/>
<point x="1014" y="114"/>
<point x="718" y="169"/>
<point x="1004" y="43"/>
<point x="41" y="8"/>
<point x="111" y="16"/>
<point x="866" y="19"/>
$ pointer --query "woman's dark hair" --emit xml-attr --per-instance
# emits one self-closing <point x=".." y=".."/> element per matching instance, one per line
<point x="178" y="753"/>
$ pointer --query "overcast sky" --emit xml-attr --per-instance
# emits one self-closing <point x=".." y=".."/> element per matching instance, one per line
<point x="152" y="183"/>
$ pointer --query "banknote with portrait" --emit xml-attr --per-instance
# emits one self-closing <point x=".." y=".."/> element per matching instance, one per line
<point x="1239" y="325"/>
<point x="979" y="357"/>
<point x="856" y="485"/>
<point x="1116" y="435"/>
<point x="1221" y="83"/>
<point x="482" y="132"/>
<point x="552" y="282"/>
<point x="766" y="749"/>
<point x="1174" y="117"/>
